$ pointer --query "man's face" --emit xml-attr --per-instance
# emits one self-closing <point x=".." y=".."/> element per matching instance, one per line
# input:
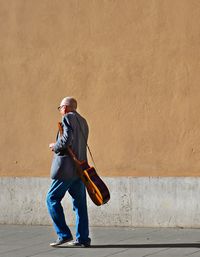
<point x="62" y="109"/>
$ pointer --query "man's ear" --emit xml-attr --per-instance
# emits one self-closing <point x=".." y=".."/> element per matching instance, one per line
<point x="66" y="109"/>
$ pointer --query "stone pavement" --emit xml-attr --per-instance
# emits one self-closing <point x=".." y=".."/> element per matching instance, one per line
<point x="27" y="241"/>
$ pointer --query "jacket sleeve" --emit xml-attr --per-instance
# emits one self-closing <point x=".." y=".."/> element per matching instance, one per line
<point x="66" y="138"/>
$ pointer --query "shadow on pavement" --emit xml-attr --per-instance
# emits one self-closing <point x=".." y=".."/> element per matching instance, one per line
<point x="178" y="245"/>
<point x="175" y="245"/>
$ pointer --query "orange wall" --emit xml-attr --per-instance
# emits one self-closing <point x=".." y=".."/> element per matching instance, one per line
<point x="133" y="66"/>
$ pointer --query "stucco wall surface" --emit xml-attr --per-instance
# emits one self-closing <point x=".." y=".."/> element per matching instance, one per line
<point x="139" y="202"/>
<point x="133" y="67"/>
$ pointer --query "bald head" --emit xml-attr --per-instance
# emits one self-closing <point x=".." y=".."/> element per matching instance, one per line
<point x="70" y="102"/>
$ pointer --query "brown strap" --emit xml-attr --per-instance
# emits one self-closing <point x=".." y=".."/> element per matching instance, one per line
<point x="86" y="143"/>
<point x="61" y="132"/>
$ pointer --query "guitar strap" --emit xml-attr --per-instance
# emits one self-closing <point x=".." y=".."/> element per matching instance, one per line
<point x="86" y="142"/>
<point x="60" y="130"/>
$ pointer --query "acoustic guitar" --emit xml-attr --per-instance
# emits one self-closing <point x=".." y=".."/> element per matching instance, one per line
<point x="96" y="188"/>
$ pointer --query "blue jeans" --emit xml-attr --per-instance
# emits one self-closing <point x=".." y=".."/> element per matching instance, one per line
<point x="76" y="189"/>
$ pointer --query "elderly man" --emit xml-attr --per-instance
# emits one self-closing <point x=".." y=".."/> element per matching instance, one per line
<point x="64" y="176"/>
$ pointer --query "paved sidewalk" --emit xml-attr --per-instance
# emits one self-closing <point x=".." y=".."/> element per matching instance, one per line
<point x="27" y="241"/>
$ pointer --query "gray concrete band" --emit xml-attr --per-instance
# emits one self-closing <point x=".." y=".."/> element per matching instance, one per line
<point x="135" y="202"/>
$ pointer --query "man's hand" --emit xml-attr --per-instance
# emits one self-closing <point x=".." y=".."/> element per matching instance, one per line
<point x="51" y="146"/>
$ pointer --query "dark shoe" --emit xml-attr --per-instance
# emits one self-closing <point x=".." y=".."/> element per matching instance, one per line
<point x="78" y="244"/>
<point x="61" y="241"/>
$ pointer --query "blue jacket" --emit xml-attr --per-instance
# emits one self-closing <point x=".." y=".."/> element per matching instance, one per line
<point x="75" y="134"/>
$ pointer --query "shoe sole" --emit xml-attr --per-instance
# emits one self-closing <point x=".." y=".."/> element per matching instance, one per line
<point x="58" y="244"/>
<point x="78" y="245"/>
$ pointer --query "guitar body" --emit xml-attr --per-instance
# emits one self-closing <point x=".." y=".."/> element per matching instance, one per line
<point x="96" y="188"/>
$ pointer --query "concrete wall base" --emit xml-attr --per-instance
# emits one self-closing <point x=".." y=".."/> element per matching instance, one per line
<point x="139" y="202"/>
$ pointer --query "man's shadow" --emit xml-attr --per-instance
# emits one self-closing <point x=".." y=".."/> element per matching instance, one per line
<point x="177" y="245"/>
<point x="166" y="245"/>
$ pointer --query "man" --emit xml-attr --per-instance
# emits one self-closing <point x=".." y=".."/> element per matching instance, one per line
<point x="64" y="177"/>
